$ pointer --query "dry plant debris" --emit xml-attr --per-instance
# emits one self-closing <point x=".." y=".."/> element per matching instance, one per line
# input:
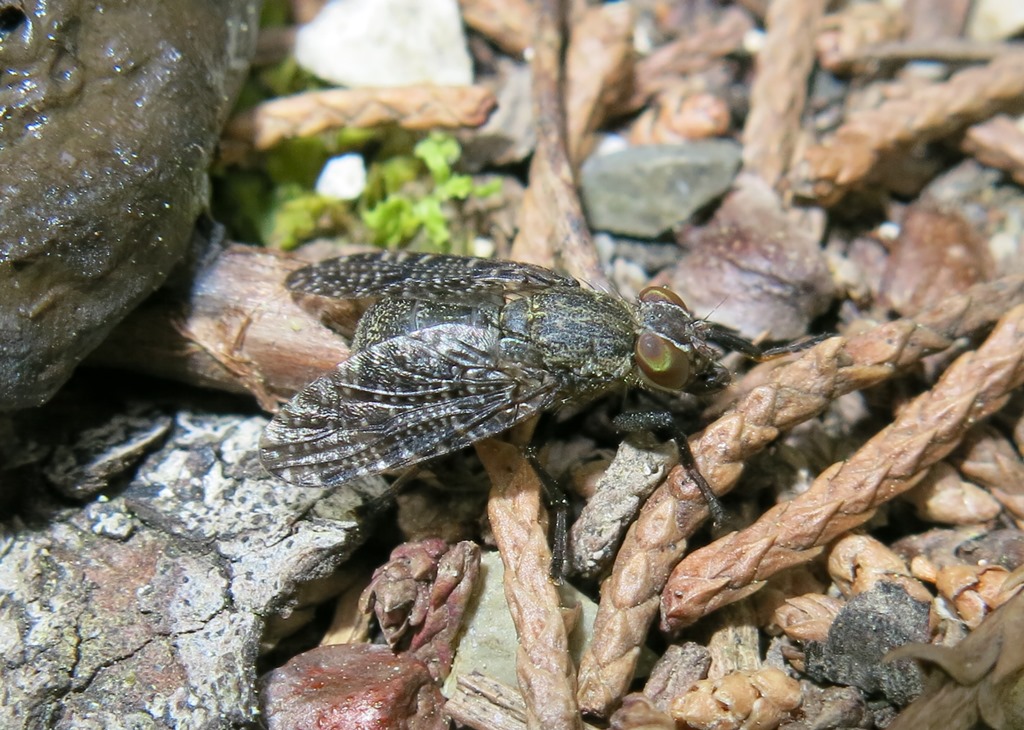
<point x="312" y="112"/>
<point x="655" y="543"/>
<point x="847" y="494"/>
<point x="977" y="681"/>
<point x="546" y="674"/>
<point x="998" y="143"/>
<point x="508" y="23"/>
<point x="839" y="126"/>
<point x="419" y="599"/>
<point x="780" y="87"/>
<point x="928" y="113"/>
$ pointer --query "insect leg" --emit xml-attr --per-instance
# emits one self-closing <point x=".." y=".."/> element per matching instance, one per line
<point x="382" y="501"/>
<point x="558" y="500"/>
<point x="661" y="422"/>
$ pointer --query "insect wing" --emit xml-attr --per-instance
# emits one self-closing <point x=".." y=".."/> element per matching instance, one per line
<point x="399" y="402"/>
<point x="413" y="275"/>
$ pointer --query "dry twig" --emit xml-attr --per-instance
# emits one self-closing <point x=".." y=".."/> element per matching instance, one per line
<point x="795" y="392"/>
<point x="846" y="32"/>
<point x="506" y="22"/>
<point x="944" y="50"/>
<point x="234" y="329"/>
<point x="779" y="91"/>
<point x="925" y="114"/>
<point x="552" y="221"/>
<point x="998" y="143"/>
<point x="848" y="493"/>
<point x="599" y="62"/>
<point x="306" y="114"/>
<point x="687" y="55"/>
<point x="544" y="668"/>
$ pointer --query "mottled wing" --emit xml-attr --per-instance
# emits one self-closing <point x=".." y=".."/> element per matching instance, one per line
<point x="399" y="402"/>
<point x="419" y="276"/>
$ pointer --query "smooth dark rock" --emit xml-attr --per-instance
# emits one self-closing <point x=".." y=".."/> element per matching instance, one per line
<point x="644" y="191"/>
<point x="109" y="115"/>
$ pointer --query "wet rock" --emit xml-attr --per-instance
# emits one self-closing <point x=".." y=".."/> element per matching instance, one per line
<point x="386" y="43"/>
<point x="109" y="115"/>
<point x="644" y="191"/>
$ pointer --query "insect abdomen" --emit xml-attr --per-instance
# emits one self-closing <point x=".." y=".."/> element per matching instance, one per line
<point x="393" y="317"/>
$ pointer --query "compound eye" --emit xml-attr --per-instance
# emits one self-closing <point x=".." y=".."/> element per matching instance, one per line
<point x="653" y="294"/>
<point x="661" y="362"/>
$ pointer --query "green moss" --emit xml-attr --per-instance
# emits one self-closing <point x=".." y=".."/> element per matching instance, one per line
<point x="398" y="215"/>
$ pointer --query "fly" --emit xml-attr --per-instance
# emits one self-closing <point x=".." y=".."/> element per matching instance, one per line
<point x="456" y="349"/>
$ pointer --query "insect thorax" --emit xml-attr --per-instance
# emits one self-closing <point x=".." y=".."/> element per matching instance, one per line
<point x="583" y="337"/>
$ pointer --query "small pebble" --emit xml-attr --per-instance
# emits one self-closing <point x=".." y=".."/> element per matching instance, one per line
<point x="343" y="177"/>
<point x="644" y="191"/>
<point x="367" y="43"/>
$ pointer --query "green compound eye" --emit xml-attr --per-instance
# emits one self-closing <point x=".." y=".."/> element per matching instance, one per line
<point x="661" y="362"/>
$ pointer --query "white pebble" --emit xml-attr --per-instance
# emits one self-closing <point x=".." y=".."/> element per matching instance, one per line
<point x="343" y="177"/>
<point x="366" y="43"/>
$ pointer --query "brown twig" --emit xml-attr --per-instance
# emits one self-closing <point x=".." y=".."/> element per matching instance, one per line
<point x="689" y="54"/>
<point x="235" y="328"/>
<point x="927" y="113"/>
<point x="552" y="221"/>
<point x="306" y="114"/>
<point x="844" y="33"/>
<point x="795" y="392"/>
<point x="998" y="143"/>
<point x="505" y="22"/>
<point x="599" y="65"/>
<point x="848" y="493"/>
<point x="515" y="508"/>
<point x="779" y="90"/>
<point x="945" y="50"/>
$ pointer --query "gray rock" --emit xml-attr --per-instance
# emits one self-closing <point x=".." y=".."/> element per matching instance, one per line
<point x="146" y="609"/>
<point x="644" y="191"/>
<point x="109" y="115"/>
<point x="866" y="628"/>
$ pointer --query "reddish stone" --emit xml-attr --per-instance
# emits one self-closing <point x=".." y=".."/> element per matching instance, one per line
<point x="352" y="687"/>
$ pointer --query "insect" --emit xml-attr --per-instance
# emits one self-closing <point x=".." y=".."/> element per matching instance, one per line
<point x="456" y="349"/>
